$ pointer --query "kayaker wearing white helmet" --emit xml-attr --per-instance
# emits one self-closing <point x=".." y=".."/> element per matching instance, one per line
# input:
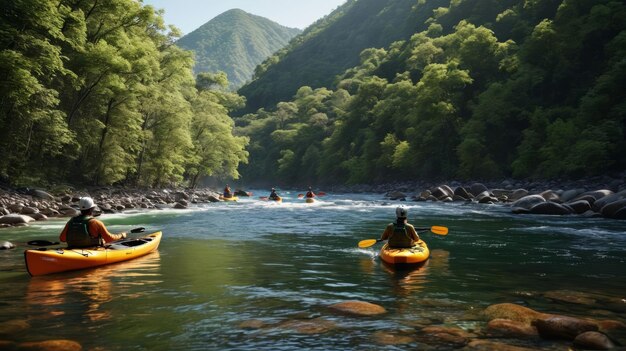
<point x="401" y="233"/>
<point x="86" y="231"/>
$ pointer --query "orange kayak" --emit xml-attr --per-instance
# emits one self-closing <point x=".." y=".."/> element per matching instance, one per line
<point x="405" y="256"/>
<point x="46" y="261"/>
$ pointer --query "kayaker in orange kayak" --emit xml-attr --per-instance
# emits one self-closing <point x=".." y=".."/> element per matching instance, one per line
<point x="227" y="192"/>
<point x="86" y="231"/>
<point x="310" y="193"/>
<point x="401" y="233"/>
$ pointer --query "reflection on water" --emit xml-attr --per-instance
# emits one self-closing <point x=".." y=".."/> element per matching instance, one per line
<point x="88" y="291"/>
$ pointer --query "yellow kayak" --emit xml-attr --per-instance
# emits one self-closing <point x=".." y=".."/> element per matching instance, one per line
<point x="405" y="256"/>
<point x="278" y="199"/>
<point x="233" y="198"/>
<point x="309" y="200"/>
<point x="46" y="261"/>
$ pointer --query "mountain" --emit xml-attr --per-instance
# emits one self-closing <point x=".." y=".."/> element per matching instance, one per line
<point x="332" y="45"/>
<point x="235" y="42"/>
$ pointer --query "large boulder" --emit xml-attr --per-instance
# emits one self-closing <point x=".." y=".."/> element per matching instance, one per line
<point x="42" y="195"/>
<point x="50" y="345"/>
<point x="529" y="201"/>
<point x="14" y="219"/>
<point x="580" y="206"/>
<point x="477" y="188"/>
<point x="598" y="194"/>
<point x="563" y="327"/>
<point x="550" y="208"/>
<point x="461" y="192"/>
<point x="518" y="194"/>
<point x="602" y="202"/>
<point x="510" y="329"/>
<point x="609" y="210"/>
<point x="568" y="195"/>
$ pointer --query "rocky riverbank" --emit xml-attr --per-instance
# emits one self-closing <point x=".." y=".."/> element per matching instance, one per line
<point x="595" y="197"/>
<point x="23" y="206"/>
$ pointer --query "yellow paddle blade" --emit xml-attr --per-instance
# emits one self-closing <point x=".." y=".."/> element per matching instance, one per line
<point x="439" y="230"/>
<point x="367" y="243"/>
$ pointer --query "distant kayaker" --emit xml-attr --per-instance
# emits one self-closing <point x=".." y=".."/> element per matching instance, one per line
<point x="273" y="195"/>
<point x="227" y="192"/>
<point x="86" y="231"/>
<point x="401" y="233"/>
<point x="310" y="193"/>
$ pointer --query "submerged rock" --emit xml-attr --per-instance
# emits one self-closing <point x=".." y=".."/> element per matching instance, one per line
<point x="358" y="308"/>
<point x="511" y="329"/>
<point x="50" y="345"/>
<point x="593" y="341"/>
<point x="563" y="327"/>
<point x="513" y="312"/>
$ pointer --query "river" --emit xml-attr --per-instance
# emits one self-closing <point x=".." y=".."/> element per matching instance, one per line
<point x="255" y="275"/>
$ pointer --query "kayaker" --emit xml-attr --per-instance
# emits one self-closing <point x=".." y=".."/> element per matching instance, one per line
<point x="86" y="231"/>
<point x="227" y="192"/>
<point x="401" y="233"/>
<point x="273" y="195"/>
<point x="310" y="193"/>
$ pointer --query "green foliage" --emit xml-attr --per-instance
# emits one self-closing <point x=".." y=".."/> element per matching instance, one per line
<point x="96" y="92"/>
<point x="235" y="42"/>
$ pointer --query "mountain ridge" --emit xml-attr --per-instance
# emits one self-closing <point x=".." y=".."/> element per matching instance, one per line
<point x="235" y="42"/>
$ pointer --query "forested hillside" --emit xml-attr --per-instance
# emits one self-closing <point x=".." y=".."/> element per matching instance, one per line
<point x="332" y="45"/>
<point x="235" y="42"/>
<point x="96" y="92"/>
<point x="482" y="89"/>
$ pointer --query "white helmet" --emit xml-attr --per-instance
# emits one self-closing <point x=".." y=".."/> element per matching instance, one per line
<point x="86" y="203"/>
<point x="401" y="212"/>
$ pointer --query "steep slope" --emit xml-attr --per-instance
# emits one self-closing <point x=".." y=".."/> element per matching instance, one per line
<point x="332" y="45"/>
<point x="235" y="42"/>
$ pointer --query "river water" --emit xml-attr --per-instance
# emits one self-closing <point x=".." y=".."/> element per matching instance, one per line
<point x="255" y="275"/>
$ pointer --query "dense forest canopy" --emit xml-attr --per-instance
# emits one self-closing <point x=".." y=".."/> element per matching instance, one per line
<point x="481" y="89"/>
<point x="96" y="92"/>
<point x="235" y="42"/>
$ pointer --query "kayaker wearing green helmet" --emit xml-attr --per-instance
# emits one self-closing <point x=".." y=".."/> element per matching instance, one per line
<point x="401" y="233"/>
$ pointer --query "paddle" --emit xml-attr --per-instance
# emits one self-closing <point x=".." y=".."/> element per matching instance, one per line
<point x="435" y="229"/>
<point x="50" y="243"/>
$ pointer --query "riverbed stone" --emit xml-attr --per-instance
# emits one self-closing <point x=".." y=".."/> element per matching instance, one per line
<point x="308" y="326"/>
<point x="50" y="345"/>
<point x="15" y="326"/>
<point x="611" y="209"/>
<point x="574" y="297"/>
<point x="477" y="188"/>
<point x="593" y="341"/>
<point x="511" y="329"/>
<point x="358" y="308"/>
<point x="14" y="219"/>
<point x="513" y="312"/>
<point x="602" y="202"/>
<point x="488" y="345"/>
<point x="5" y="245"/>
<point x="392" y="338"/>
<point x="253" y="324"/>
<point x="445" y="335"/>
<point x="550" y="195"/>
<point x="461" y="192"/>
<point x="598" y="194"/>
<point x="563" y="327"/>
<point x="518" y="194"/>
<point x="580" y="206"/>
<point x="528" y="201"/>
<point x="550" y="208"/>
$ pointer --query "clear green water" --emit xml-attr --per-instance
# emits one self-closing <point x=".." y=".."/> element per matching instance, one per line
<point x="239" y="276"/>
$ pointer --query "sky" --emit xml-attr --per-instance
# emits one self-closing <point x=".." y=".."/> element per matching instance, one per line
<point x="188" y="15"/>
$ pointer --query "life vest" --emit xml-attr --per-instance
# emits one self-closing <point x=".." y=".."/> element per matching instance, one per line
<point x="400" y="237"/>
<point x="78" y="233"/>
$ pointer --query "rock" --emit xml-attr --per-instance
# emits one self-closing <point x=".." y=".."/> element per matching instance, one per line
<point x="529" y="201"/>
<point x="550" y="195"/>
<point x="396" y="195"/>
<point x="580" y="206"/>
<point x="309" y="326"/>
<point x="520" y="210"/>
<point x="620" y="214"/>
<point x="6" y="245"/>
<point x="601" y="202"/>
<point x="180" y="206"/>
<point x="446" y="335"/>
<point x="486" y="345"/>
<point x="440" y="193"/>
<point x="518" y="194"/>
<point x="242" y="193"/>
<point x="14" y="219"/>
<point x="550" y="208"/>
<point x="598" y="194"/>
<point x="610" y="209"/>
<point x="568" y="195"/>
<point x="563" y="327"/>
<point x="39" y="217"/>
<point x="461" y="192"/>
<point x="42" y="195"/>
<point x="50" y="345"/>
<point x="574" y="297"/>
<point x="593" y="341"/>
<point x="510" y="329"/>
<point x="358" y="308"/>
<point x="213" y="198"/>
<point x="513" y="312"/>
<point x="388" y="338"/>
<point x="15" y="326"/>
<point x="29" y="210"/>
<point x="253" y="324"/>
<point x="477" y="188"/>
